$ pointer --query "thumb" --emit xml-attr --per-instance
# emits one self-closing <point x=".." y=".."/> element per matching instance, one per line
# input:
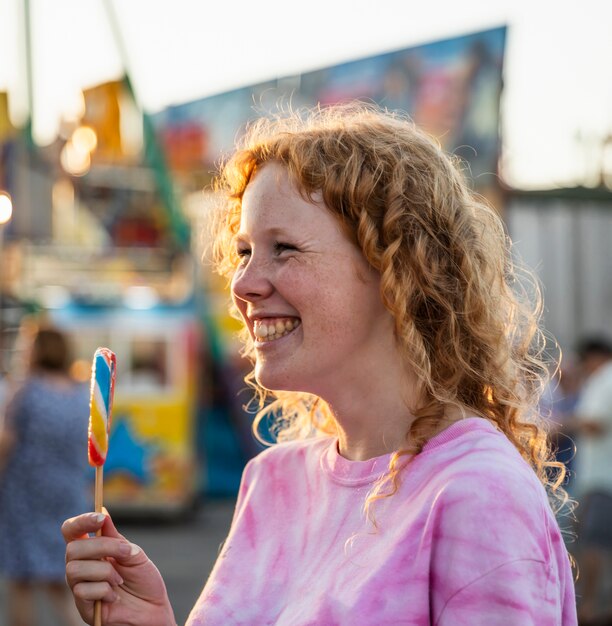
<point x="129" y="553"/>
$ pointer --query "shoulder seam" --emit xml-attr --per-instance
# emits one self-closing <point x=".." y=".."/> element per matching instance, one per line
<point x="487" y="573"/>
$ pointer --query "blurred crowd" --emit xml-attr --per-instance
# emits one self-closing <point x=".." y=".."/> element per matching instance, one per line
<point x="579" y="404"/>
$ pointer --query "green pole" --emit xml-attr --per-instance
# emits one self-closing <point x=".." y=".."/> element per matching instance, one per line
<point x="154" y="155"/>
<point x="155" y="158"/>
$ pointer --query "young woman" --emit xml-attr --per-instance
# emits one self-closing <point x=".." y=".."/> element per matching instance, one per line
<point x="383" y="315"/>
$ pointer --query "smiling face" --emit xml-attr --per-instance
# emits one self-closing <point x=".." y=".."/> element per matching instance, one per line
<point x="307" y="295"/>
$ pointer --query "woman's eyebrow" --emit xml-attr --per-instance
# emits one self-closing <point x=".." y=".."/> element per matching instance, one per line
<point x="274" y="231"/>
<point x="280" y="232"/>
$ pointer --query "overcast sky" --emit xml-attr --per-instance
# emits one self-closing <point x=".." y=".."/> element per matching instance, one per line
<point x="558" y="66"/>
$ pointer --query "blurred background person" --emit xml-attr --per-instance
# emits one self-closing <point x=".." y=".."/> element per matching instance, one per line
<point x="592" y="424"/>
<point x="44" y="477"/>
<point x="558" y="403"/>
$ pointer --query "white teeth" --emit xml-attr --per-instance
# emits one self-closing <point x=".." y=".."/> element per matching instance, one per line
<point x="261" y="332"/>
<point x="274" y="329"/>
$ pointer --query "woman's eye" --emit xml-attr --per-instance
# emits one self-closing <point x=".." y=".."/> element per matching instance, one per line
<point x="279" y="247"/>
<point x="243" y="255"/>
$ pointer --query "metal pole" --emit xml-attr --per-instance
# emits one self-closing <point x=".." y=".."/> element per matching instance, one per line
<point x="27" y="23"/>
<point x="153" y="152"/>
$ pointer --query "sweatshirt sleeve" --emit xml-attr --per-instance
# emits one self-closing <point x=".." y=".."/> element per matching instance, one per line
<point x="495" y="551"/>
<point x="513" y="594"/>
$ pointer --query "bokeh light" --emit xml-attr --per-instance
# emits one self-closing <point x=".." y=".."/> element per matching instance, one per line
<point x="85" y="139"/>
<point x="6" y="207"/>
<point x="74" y="160"/>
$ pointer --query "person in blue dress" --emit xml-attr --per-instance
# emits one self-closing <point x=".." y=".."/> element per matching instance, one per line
<point x="44" y="477"/>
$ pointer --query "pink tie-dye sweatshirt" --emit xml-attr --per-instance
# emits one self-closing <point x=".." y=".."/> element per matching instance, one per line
<point x="469" y="539"/>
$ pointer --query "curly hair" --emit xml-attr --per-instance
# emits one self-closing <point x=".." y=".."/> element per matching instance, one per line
<point x="466" y="321"/>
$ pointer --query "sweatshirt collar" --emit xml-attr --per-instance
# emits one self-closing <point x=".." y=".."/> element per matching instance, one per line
<point x="356" y="473"/>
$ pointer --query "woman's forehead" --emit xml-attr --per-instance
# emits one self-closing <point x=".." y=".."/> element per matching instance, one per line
<point x="270" y="181"/>
<point x="273" y="200"/>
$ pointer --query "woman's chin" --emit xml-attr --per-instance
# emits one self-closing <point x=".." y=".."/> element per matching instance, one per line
<point x="276" y="381"/>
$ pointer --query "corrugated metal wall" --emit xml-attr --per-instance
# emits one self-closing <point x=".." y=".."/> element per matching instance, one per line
<point x="568" y="242"/>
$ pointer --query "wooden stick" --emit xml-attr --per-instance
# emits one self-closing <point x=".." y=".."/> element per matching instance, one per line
<point x="98" y="498"/>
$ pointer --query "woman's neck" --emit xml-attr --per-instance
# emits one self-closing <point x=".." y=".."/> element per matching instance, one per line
<point x="53" y="376"/>
<point x="373" y="416"/>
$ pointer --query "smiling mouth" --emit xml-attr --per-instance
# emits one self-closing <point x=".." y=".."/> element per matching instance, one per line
<point x="273" y="328"/>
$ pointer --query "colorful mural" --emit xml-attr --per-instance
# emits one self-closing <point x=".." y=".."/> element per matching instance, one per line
<point x="451" y="88"/>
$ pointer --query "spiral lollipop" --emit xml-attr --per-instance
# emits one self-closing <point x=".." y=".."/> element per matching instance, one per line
<point x="103" y="373"/>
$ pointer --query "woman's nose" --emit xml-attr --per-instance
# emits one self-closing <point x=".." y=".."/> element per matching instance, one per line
<point x="252" y="282"/>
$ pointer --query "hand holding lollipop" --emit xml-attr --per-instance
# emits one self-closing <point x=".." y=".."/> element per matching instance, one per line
<point x="108" y="568"/>
<point x="103" y="374"/>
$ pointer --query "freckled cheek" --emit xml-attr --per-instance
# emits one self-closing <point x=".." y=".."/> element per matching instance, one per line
<point x="328" y="315"/>
<point x="336" y="336"/>
<point x="297" y="288"/>
<point x="317" y="298"/>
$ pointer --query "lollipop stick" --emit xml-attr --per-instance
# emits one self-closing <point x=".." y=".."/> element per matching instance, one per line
<point x="98" y="496"/>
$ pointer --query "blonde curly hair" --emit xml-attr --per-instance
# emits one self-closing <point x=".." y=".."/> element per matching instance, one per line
<point x="465" y="323"/>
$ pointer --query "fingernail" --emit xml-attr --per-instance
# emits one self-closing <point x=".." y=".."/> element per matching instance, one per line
<point x="130" y="549"/>
<point x="97" y="517"/>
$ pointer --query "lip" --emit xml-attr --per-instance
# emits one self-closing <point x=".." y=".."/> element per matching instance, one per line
<point x="253" y="317"/>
